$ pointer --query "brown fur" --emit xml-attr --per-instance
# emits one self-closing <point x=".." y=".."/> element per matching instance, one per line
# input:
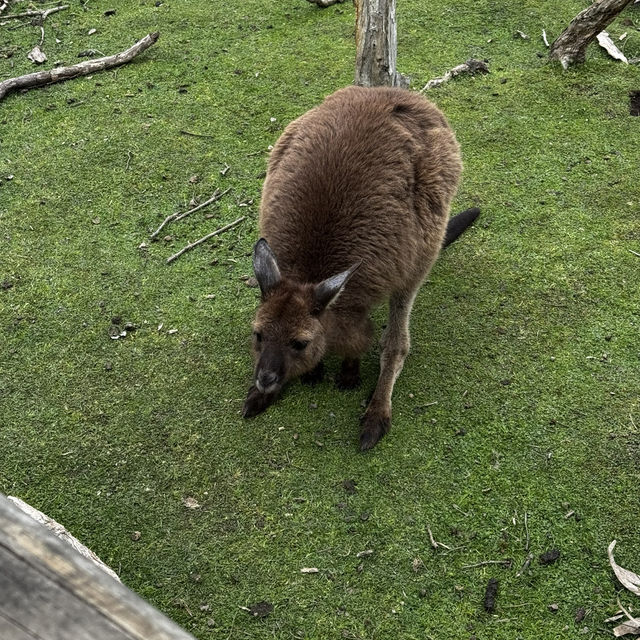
<point x="366" y="177"/>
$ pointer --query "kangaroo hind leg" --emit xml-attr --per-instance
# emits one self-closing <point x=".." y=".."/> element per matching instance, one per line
<point x="395" y="343"/>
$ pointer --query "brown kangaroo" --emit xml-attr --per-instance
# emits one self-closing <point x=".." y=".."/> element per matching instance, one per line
<point x="355" y="206"/>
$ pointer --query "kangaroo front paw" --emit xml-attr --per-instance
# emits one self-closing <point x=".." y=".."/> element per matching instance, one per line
<point x="256" y="402"/>
<point x="314" y="376"/>
<point x="373" y="427"/>
<point x="349" y="375"/>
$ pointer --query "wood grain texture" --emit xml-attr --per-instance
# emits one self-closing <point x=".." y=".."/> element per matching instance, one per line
<point x="50" y="592"/>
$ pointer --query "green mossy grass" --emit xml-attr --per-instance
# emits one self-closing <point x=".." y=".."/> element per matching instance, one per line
<point x="526" y="334"/>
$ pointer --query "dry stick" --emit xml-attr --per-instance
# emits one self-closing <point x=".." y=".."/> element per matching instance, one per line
<point x="434" y="544"/>
<point x="42" y="78"/>
<point x="635" y="253"/>
<point x="4" y="5"/>
<point x="525" y="565"/>
<point x="209" y="235"/>
<point x="43" y="13"/>
<point x="471" y="66"/>
<point x="178" y="216"/>
<point x="195" y="135"/>
<point x="506" y="563"/>
<point x="526" y="528"/>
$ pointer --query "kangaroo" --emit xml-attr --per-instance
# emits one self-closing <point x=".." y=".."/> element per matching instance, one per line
<point x="354" y="211"/>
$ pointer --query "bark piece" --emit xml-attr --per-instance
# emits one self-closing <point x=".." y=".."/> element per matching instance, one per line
<point x="570" y="47"/>
<point x="42" y="78"/>
<point x="605" y="41"/>
<point x="37" y="55"/>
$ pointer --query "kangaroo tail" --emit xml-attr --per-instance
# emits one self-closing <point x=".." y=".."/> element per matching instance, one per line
<point x="458" y="224"/>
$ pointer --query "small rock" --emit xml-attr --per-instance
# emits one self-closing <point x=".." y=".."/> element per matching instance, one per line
<point x="91" y="32"/>
<point x="36" y="55"/>
<point x="190" y="503"/>
<point x="553" y="608"/>
<point x="580" y="614"/>
<point x="252" y="282"/>
<point x="168" y="238"/>
<point x="211" y="622"/>
<point x="96" y="220"/>
<point x="205" y="607"/>
<point x="313" y="405"/>
<point x="108" y="366"/>
<point x="364" y="516"/>
<point x="109" y="12"/>
<point x="135" y="536"/>
<point x="194" y="178"/>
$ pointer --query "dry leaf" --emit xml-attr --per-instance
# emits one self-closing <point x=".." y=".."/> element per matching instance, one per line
<point x="36" y="55"/>
<point x="628" y="579"/>
<point x="607" y="43"/>
<point x="190" y="503"/>
<point x="628" y="627"/>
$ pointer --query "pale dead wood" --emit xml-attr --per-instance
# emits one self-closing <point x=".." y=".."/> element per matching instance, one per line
<point x="525" y="565"/>
<point x="544" y="39"/>
<point x="3" y="5"/>
<point x="507" y="563"/>
<point x="630" y="626"/>
<point x="179" y="216"/>
<point x="635" y="253"/>
<point x="43" y="14"/>
<point x="209" y="235"/>
<point x="605" y="41"/>
<point x="526" y="529"/>
<point x="471" y="66"/>
<point x="42" y="78"/>
<point x="571" y="45"/>
<point x="323" y="4"/>
<point x="434" y="544"/>
<point x="62" y="533"/>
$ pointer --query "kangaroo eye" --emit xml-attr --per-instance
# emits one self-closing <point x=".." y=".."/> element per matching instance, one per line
<point x="299" y="345"/>
<point x="258" y="336"/>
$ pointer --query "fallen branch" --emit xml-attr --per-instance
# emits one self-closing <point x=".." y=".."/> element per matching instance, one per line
<point x="635" y="253"/>
<point x="43" y="14"/>
<point x="507" y="563"/>
<point x="178" y="216"/>
<point x="42" y="78"/>
<point x="471" y="66"/>
<point x="209" y="235"/>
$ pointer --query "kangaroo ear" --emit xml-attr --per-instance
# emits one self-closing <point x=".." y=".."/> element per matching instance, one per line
<point x="265" y="266"/>
<point x="326" y="292"/>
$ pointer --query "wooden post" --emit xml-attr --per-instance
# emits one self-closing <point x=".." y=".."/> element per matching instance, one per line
<point x="377" y="44"/>
<point x="571" y="45"/>
<point x="50" y="592"/>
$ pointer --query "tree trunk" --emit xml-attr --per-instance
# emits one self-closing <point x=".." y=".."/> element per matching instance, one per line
<point x="571" y="45"/>
<point x="376" y="44"/>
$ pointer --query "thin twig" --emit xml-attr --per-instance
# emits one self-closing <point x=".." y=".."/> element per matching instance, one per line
<point x="525" y="565"/>
<point x="209" y="235"/>
<point x="178" y="216"/>
<point x="471" y="66"/>
<point x="526" y="529"/>
<point x="544" y="38"/>
<point x="507" y="563"/>
<point x="43" y="13"/>
<point x="42" y="78"/>
<point x="41" y="35"/>
<point x="195" y="135"/>
<point x="635" y="253"/>
<point x="434" y="544"/>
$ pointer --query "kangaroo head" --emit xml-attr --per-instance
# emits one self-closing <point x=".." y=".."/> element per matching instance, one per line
<point x="289" y="337"/>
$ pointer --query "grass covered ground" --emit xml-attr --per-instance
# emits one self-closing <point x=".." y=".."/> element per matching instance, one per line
<point x="526" y="334"/>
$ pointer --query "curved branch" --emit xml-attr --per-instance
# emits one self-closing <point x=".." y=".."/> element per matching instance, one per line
<point x="42" y="78"/>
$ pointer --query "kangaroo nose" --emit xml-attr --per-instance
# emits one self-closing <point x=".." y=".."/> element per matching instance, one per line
<point x="266" y="379"/>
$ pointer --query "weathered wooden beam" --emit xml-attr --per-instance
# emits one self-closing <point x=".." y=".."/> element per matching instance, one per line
<point x="571" y="45"/>
<point x="377" y="44"/>
<point x="48" y="591"/>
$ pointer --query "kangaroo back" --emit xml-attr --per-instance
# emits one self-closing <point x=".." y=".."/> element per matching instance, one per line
<point x="368" y="175"/>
